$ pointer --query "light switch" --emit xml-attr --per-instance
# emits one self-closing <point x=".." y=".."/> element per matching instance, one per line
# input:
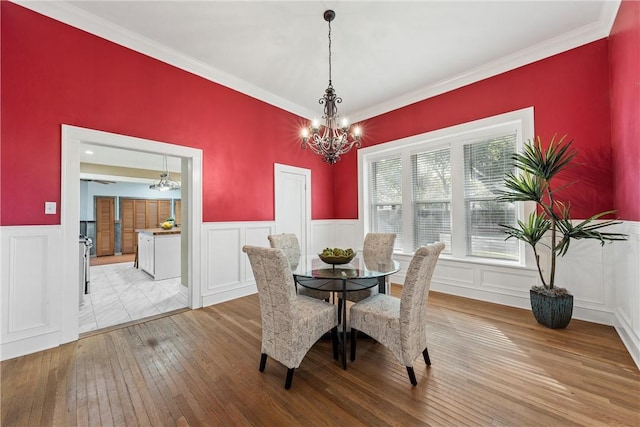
<point x="49" y="208"/>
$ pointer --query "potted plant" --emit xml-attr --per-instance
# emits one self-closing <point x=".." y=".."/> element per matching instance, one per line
<point x="533" y="181"/>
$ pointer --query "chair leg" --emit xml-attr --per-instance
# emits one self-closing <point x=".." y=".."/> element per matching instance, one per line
<point x="425" y="354"/>
<point x="354" y="338"/>
<point x="263" y="361"/>
<point x="412" y="375"/>
<point x="287" y="383"/>
<point x="334" y="342"/>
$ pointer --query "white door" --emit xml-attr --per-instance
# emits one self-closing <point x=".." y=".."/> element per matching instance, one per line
<point x="293" y="203"/>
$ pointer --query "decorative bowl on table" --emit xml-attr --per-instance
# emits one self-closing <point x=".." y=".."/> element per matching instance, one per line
<point x="337" y="256"/>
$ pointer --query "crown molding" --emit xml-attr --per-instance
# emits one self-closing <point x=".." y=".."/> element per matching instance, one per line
<point x="71" y="15"/>
<point x="563" y="43"/>
<point x="78" y="18"/>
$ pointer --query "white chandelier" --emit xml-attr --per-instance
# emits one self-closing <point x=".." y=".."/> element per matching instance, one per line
<point x="165" y="183"/>
<point x="334" y="138"/>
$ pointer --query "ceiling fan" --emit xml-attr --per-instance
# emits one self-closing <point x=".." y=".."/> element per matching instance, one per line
<point x="100" y="181"/>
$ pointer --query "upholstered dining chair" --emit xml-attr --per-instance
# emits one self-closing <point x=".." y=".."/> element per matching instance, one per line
<point x="376" y="248"/>
<point x="288" y="242"/>
<point x="291" y="323"/>
<point x="400" y="324"/>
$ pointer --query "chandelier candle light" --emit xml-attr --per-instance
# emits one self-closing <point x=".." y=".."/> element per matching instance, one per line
<point x="333" y="139"/>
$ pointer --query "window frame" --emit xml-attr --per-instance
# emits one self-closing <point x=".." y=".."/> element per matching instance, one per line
<point x="455" y="137"/>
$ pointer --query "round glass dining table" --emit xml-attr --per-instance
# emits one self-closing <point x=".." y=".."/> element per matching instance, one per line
<point x="357" y="275"/>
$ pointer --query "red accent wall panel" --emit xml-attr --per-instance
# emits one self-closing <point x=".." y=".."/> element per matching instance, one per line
<point x="624" y="62"/>
<point x="54" y="74"/>
<point x="570" y="95"/>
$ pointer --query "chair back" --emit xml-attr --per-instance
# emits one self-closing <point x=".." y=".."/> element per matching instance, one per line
<point x="289" y="244"/>
<point x="377" y="251"/>
<point x="276" y="291"/>
<point x="378" y="246"/>
<point x="415" y="293"/>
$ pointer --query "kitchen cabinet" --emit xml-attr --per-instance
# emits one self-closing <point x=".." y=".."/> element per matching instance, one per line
<point x="159" y="252"/>
<point x="141" y="213"/>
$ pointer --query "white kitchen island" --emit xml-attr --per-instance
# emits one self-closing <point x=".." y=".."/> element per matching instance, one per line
<point x="159" y="252"/>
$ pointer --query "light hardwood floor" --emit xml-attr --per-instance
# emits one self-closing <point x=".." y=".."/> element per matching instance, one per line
<point x="491" y="365"/>
<point x="112" y="259"/>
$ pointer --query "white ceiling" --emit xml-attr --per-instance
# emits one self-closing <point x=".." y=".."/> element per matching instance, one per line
<point x="386" y="54"/>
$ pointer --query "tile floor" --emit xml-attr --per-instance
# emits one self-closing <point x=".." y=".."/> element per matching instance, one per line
<point x="121" y="293"/>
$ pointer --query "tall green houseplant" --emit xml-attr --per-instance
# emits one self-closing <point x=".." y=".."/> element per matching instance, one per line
<point x="533" y="181"/>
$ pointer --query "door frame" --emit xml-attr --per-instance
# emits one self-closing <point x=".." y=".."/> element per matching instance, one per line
<point x="72" y="139"/>
<point x="279" y="171"/>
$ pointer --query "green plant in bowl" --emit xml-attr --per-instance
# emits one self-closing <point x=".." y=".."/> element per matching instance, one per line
<point x="337" y="255"/>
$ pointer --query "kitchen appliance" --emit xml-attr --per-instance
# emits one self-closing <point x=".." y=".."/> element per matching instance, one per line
<point x="85" y="253"/>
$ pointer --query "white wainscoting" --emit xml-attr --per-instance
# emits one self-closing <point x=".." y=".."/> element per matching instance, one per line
<point x="605" y="280"/>
<point x="31" y="289"/>
<point x="226" y="272"/>
<point x="335" y="234"/>
<point x="625" y="279"/>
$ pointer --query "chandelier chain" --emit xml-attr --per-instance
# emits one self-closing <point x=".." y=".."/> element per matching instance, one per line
<point x="329" y="53"/>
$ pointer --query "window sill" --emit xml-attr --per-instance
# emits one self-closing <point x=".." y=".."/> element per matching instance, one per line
<point x="478" y="261"/>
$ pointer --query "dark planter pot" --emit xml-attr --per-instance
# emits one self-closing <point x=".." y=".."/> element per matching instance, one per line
<point x="552" y="311"/>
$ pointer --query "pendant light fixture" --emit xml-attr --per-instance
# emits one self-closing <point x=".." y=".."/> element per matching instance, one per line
<point x="334" y="137"/>
<point x="165" y="183"/>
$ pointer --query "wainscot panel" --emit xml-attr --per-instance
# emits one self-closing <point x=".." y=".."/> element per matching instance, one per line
<point x="581" y="271"/>
<point x="586" y="274"/>
<point x="335" y="234"/>
<point x="324" y="232"/>
<point x="507" y="281"/>
<point x="226" y="272"/>
<point x="31" y="289"/>
<point x="625" y="279"/>
<point x="492" y="283"/>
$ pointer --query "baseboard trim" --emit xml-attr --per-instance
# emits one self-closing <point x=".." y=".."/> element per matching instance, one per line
<point x="629" y="339"/>
<point x="228" y="294"/>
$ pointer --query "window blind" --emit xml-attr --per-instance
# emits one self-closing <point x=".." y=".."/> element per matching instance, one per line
<point x="386" y="197"/>
<point x="485" y="165"/>
<point x="431" y="197"/>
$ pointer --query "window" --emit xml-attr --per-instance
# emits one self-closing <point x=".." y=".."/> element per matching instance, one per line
<point x="386" y="197"/>
<point x="485" y="164"/>
<point x="431" y="197"/>
<point x="442" y="186"/>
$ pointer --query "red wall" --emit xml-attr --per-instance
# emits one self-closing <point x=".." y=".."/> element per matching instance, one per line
<point x="570" y="95"/>
<point x="54" y="74"/>
<point x="624" y="61"/>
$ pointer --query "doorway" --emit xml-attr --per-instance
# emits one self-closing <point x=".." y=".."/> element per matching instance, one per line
<point x="191" y="213"/>
<point x="123" y="288"/>
<point x="293" y="203"/>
